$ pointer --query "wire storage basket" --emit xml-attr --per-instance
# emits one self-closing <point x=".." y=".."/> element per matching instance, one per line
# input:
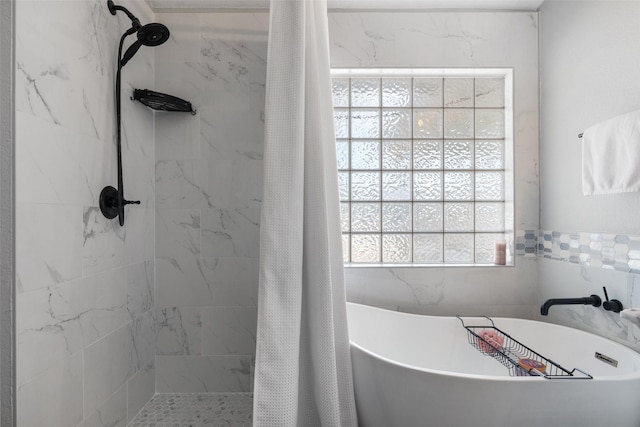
<point x="519" y="359"/>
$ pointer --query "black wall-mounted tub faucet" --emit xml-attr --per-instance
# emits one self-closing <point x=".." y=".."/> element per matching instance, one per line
<point x="593" y="300"/>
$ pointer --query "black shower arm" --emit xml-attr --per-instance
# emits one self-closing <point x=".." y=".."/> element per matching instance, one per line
<point x="113" y="8"/>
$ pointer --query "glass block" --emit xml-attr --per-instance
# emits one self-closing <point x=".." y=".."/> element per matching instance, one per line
<point x="490" y="92"/>
<point x="427" y="154"/>
<point x="345" y="217"/>
<point x="396" y="185"/>
<point x="427" y="248"/>
<point x="365" y="217"/>
<point x="342" y="154"/>
<point x="489" y="154"/>
<point x="458" y="217"/>
<point x="458" y="92"/>
<point x="365" y="92"/>
<point x="365" y="248"/>
<point x="489" y="186"/>
<point x="427" y="92"/>
<point x="341" y="122"/>
<point x="396" y="123"/>
<point x="458" y="185"/>
<point x="340" y="92"/>
<point x="427" y="123"/>
<point x="396" y="92"/>
<point x="489" y="216"/>
<point x="346" y="247"/>
<point x="489" y="123"/>
<point x="458" y="248"/>
<point x="396" y="248"/>
<point x="396" y="217"/>
<point x="458" y="123"/>
<point x="365" y="155"/>
<point x="427" y="186"/>
<point x="343" y="185"/>
<point x="365" y="186"/>
<point x="427" y="217"/>
<point x="458" y="155"/>
<point x="396" y="154"/>
<point x="365" y="123"/>
<point x="485" y="247"/>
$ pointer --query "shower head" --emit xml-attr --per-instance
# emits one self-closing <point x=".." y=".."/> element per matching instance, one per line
<point x="153" y="34"/>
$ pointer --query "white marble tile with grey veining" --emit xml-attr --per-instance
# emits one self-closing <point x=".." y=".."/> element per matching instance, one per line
<point x="108" y="364"/>
<point x="567" y="280"/>
<point x="183" y="282"/>
<point x="140" y="389"/>
<point x="230" y="233"/>
<point x="235" y="280"/>
<point x="48" y="245"/>
<point x="140" y="288"/>
<point x="177" y="233"/>
<point x="49" y="167"/>
<point x="235" y="64"/>
<point x="187" y="282"/>
<point x="40" y="402"/>
<point x="140" y="238"/>
<point x="112" y="412"/>
<point x="201" y="374"/>
<point x="46" y="83"/>
<point x="107" y="245"/>
<point x="143" y="335"/>
<point x="103" y="242"/>
<point x="179" y="184"/>
<point x="177" y="137"/>
<point x="179" y="331"/>
<point x="138" y="178"/>
<point x="229" y="330"/>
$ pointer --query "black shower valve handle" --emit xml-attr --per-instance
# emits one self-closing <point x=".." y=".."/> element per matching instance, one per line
<point x="611" y="305"/>
<point x="130" y="202"/>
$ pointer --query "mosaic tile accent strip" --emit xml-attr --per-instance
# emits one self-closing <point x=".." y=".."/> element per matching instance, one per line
<point x="526" y="243"/>
<point x="619" y="252"/>
<point x="196" y="410"/>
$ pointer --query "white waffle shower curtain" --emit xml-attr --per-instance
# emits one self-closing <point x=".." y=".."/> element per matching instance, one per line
<point x="303" y="368"/>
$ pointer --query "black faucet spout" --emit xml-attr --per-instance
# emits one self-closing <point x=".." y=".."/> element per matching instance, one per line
<point x="593" y="300"/>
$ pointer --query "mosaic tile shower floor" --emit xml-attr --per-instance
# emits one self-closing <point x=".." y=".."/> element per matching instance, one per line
<point x="196" y="409"/>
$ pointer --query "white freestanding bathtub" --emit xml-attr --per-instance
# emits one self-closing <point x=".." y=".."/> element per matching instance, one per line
<point x="420" y="371"/>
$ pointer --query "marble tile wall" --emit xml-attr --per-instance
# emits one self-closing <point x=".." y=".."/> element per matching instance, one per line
<point x="208" y="192"/>
<point x="451" y="40"/>
<point x="576" y="264"/>
<point x="85" y="327"/>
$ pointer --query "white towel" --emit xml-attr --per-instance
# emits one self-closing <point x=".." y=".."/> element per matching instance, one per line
<point x="611" y="156"/>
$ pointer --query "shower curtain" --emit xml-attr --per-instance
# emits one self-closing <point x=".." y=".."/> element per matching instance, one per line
<point x="303" y="368"/>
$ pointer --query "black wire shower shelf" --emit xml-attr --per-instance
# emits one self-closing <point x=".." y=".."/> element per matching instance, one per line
<point x="519" y="359"/>
<point x="162" y="102"/>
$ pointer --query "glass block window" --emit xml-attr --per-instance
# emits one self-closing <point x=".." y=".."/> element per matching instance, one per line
<point x="421" y="162"/>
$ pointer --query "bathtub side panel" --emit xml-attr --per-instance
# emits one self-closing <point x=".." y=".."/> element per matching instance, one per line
<point x="392" y="395"/>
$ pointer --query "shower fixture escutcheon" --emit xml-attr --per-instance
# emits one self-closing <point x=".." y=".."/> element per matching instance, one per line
<point x="111" y="204"/>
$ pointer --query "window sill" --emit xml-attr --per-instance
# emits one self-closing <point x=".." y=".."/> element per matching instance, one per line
<point x="354" y="265"/>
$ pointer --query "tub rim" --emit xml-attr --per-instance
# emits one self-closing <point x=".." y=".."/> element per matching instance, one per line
<point x="507" y="377"/>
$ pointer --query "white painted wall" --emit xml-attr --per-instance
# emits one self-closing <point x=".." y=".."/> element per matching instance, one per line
<point x="589" y="73"/>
